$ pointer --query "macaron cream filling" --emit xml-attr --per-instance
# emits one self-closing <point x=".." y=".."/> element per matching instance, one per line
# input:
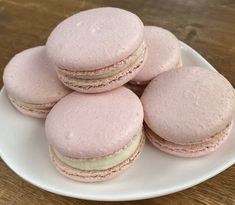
<point x="132" y="61"/>
<point x="209" y="143"/>
<point x="105" y="162"/>
<point x="40" y="108"/>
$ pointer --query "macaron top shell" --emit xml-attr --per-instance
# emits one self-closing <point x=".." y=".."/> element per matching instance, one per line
<point x="163" y="53"/>
<point x="94" y="125"/>
<point x="94" y="39"/>
<point x="188" y="105"/>
<point x="30" y="77"/>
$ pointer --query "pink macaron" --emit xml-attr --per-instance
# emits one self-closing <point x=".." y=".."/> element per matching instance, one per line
<point x="97" y="50"/>
<point x="32" y="83"/>
<point x="188" y="111"/>
<point x="163" y="54"/>
<point x="93" y="137"/>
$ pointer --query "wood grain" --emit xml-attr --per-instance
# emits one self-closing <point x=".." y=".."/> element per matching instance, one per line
<point x="206" y="25"/>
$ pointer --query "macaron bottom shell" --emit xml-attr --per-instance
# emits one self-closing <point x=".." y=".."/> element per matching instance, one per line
<point x="110" y="80"/>
<point x="32" y="110"/>
<point x="96" y="175"/>
<point x="189" y="150"/>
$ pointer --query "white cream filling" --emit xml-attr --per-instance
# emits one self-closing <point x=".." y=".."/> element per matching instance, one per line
<point x="113" y="70"/>
<point x="34" y="107"/>
<point x="103" y="162"/>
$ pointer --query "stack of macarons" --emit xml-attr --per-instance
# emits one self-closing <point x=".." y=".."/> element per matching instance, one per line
<point x="95" y="125"/>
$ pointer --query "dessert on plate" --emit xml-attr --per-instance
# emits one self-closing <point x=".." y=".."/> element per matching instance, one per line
<point x="93" y="137"/>
<point x="188" y="111"/>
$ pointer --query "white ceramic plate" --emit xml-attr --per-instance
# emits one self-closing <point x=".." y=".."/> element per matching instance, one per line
<point x="24" y="149"/>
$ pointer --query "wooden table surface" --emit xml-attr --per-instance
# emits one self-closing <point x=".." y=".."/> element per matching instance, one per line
<point x="206" y="25"/>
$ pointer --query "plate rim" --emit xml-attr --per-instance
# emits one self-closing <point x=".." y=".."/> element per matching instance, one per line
<point x="129" y="197"/>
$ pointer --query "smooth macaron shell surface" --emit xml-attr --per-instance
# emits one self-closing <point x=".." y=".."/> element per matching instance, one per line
<point x="94" y="125"/>
<point x="188" y="105"/>
<point x="30" y="78"/>
<point x="163" y="53"/>
<point x="94" y="39"/>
